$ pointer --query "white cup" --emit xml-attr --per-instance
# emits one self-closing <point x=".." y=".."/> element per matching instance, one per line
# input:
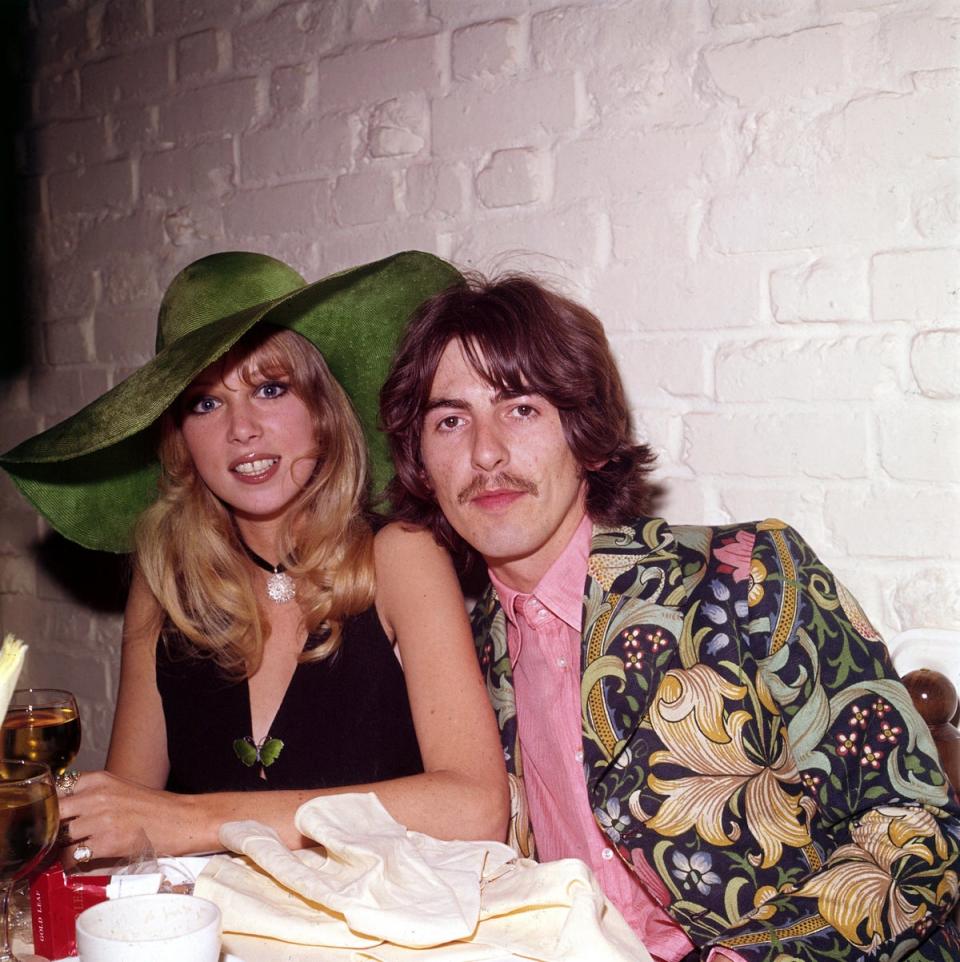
<point x="150" y="928"/>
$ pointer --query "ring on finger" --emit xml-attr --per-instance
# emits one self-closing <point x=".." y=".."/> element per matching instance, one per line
<point x="82" y="853"/>
<point x="67" y="781"/>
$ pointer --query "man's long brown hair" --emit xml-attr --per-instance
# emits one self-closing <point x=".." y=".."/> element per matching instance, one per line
<point x="521" y="338"/>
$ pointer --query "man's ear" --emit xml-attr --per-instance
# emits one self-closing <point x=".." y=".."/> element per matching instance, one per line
<point x="596" y="465"/>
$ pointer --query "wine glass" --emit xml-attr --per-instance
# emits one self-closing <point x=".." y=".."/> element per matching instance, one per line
<point x="29" y="819"/>
<point x="42" y="725"/>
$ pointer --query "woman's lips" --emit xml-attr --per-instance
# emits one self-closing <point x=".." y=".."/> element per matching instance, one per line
<point x="255" y="470"/>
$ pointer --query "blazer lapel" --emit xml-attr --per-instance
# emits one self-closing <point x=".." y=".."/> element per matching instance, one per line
<point x="632" y="630"/>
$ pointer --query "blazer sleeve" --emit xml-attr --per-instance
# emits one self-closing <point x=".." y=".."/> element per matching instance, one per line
<point x="885" y="825"/>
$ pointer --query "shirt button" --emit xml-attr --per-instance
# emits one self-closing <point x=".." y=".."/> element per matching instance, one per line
<point x="542" y="613"/>
<point x="561" y="662"/>
<point x="578" y="755"/>
<point x="607" y="853"/>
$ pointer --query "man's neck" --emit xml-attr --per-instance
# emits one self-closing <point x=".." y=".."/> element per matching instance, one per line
<point x="524" y="574"/>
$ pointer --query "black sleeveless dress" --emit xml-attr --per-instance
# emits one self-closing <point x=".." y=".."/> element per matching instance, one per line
<point x="343" y="721"/>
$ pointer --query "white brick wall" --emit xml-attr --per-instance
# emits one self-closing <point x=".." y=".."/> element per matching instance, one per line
<point x="760" y="198"/>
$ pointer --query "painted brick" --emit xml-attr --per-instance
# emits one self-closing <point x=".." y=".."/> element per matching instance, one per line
<point x="199" y="55"/>
<point x="126" y="334"/>
<point x="68" y="293"/>
<point x="822" y="290"/>
<point x="130" y="127"/>
<point x="18" y="575"/>
<point x="398" y="128"/>
<point x="844" y="369"/>
<point x="683" y="500"/>
<point x="378" y="73"/>
<point x="132" y="280"/>
<point x="513" y="178"/>
<point x="286" y="208"/>
<point x="652" y="369"/>
<point x="65" y="40"/>
<point x="339" y="249"/>
<point x="798" y="64"/>
<point x="290" y="34"/>
<point x="936" y="211"/>
<point x="135" y="233"/>
<point x="519" y="114"/>
<point x="92" y="189"/>
<point x="384" y="19"/>
<point x="189" y="171"/>
<point x="364" y="198"/>
<point x="921" y="42"/>
<point x="65" y="144"/>
<point x="180" y="15"/>
<point x="292" y="88"/>
<point x="487" y="49"/>
<point x="68" y="342"/>
<point x="727" y="12"/>
<point x="56" y="393"/>
<point x="794" y="212"/>
<point x="928" y="596"/>
<point x="916" y="285"/>
<point x="296" y="147"/>
<point x="456" y="12"/>
<point x="192" y="225"/>
<point x="15" y="426"/>
<point x="124" y="22"/>
<point x="141" y="75"/>
<point x="656" y="227"/>
<point x="935" y="363"/>
<point x="226" y="108"/>
<point x="556" y="242"/>
<point x="626" y="166"/>
<point x="434" y="189"/>
<point x="58" y="95"/>
<point x="799" y="504"/>
<point x="817" y="444"/>
<point x="920" y="441"/>
<point x="700" y="296"/>
<point x="866" y="523"/>
<point x="891" y="130"/>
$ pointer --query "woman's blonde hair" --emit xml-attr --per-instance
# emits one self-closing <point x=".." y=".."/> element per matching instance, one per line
<point x="188" y="547"/>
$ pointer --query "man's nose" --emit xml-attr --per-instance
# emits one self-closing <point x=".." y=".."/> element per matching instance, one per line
<point x="490" y="450"/>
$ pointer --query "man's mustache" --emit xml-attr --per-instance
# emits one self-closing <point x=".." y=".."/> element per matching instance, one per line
<point x="499" y="482"/>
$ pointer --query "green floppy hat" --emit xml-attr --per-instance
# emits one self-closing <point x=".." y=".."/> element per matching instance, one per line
<point x="92" y="474"/>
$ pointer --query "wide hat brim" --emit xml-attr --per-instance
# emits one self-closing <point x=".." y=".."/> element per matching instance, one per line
<point x="94" y="473"/>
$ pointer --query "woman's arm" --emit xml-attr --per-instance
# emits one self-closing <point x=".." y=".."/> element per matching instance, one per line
<point x="138" y="741"/>
<point x="461" y="794"/>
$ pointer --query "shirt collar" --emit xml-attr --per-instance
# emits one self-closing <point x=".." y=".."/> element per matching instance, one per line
<point x="561" y="588"/>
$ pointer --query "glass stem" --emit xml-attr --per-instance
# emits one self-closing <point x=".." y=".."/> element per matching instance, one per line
<point x="6" y="954"/>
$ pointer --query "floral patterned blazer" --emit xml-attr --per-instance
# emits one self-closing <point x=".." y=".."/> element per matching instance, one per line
<point x="749" y="750"/>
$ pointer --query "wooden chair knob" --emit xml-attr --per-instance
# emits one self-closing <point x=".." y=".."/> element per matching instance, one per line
<point x="935" y="698"/>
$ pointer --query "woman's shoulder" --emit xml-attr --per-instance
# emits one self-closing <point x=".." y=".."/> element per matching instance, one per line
<point x="400" y="536"/>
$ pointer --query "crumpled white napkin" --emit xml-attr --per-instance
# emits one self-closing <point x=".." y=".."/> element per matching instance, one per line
<point x="388" y="894"/>
<point x="11" y="662"/>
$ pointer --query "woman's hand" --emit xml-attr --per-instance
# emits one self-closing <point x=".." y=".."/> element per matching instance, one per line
<point x="115" y="817"/>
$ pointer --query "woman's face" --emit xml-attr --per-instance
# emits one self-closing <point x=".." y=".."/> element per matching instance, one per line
<point x="252" y="440"/>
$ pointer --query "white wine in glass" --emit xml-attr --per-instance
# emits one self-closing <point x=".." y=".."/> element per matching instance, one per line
<point x="42" y="725"/>
<point x="29" y="820"/>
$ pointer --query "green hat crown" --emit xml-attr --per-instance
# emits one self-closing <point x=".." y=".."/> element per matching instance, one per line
<point x="92" y="474"/>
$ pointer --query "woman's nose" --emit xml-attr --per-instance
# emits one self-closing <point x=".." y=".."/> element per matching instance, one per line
<point x="244" y="425"/>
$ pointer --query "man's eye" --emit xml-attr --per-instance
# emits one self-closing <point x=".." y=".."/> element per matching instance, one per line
<point x="525" y="410"/>
<point x="450" y="422"/>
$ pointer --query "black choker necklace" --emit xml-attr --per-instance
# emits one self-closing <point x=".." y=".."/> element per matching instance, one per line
<point x="280" y="586"/>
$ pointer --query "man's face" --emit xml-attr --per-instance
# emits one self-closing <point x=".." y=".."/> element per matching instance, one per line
<point x="501" y="471"/>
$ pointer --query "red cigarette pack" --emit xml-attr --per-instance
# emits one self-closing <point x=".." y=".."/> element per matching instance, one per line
<point x="56" y="899"/>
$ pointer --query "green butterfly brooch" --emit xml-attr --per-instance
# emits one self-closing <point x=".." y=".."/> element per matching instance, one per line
<point x="249" y="752"/>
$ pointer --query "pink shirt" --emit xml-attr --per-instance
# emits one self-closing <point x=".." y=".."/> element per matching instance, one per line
<point x="543" y="637"/>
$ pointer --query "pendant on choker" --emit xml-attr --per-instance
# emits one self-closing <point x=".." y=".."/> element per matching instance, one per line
<point x="280" y="586"/>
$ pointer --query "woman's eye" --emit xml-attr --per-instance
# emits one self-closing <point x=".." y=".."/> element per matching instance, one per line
<point x="272" y="389"/>
<point x="203" y="405"/>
